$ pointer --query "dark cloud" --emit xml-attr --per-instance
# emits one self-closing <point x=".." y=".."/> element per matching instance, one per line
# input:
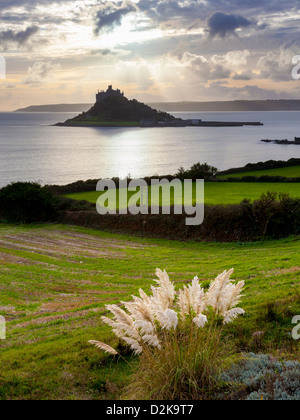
<point x="184" y="5"/>
<point x="167" y="14"/>
<point x="20" y="38"/>
<point x="9" y="4"/>
<point x="110" y="14"/>
<point x="221" y="24"/>
<point x="102" y="51"/>
<point x="252" y="7"/>
<point x="182" y="13"/>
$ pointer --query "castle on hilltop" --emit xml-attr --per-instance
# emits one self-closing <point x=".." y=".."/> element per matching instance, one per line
<point x="101" y="96"/>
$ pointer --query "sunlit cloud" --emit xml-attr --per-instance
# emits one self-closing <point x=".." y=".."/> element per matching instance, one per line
<point x="40" y="72"/>
<point x="65" y="50"/>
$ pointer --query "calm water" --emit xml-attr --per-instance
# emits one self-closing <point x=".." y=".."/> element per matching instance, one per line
<point x="33" y="150"/>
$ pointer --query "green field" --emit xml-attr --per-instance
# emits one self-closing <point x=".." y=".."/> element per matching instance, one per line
<point x="220" y="192"/>
<point x="288" y="172"/>
<point x="55" y="281"/>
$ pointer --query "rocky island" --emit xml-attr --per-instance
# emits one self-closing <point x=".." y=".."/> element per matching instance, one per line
<point x="285" y="141"/>
<point x="113" y="109"/>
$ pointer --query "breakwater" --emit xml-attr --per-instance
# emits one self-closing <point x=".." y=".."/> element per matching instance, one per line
<point x="173" y="123"/>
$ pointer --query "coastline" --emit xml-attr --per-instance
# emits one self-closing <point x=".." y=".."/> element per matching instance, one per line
<point x="184" y="106"/>
<point x="183" y="123"/>
<point x="95" y="125"/>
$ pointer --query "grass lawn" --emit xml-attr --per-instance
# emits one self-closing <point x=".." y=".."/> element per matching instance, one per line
<point x="288" y="172"/>
<point x="220" y="192"/>
<point x="55" y="281"/>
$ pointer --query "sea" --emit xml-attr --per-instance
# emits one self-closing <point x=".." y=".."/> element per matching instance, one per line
<point x="32" y="148"/>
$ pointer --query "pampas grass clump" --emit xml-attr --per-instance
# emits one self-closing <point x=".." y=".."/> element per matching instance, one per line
<point x="177" y="336"/>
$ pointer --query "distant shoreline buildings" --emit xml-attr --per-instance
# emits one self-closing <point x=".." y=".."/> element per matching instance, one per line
<point x="285" y="141"/>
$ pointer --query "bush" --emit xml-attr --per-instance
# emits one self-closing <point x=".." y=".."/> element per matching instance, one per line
<point x="273" y="218"/>
<point x="178" y="337"/>
<point x="64" y="203"/>
<point x="197" y="171"/>
<point x="265" y="378"/>
<point x="26" y="202"/>
<point x="270" y="164"/>
<point x="277" y="217"/>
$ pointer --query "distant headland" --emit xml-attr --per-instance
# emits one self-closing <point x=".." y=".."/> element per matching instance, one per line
<point x="113" y="109"/>
<point x="56" y="108"/>
<point x="184" y="106"/>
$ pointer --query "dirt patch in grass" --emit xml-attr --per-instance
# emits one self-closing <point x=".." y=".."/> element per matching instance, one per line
<point x="68" y="244"/>
<point x="62" y="316"/>
<point x="280" y="271"/>
<point x="15" y="259"/>
<point x="39" y="282"/>
<point x="112" y="243"/>
<point x="62" y="306"/>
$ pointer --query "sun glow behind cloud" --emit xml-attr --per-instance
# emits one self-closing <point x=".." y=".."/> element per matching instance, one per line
<point x="63" y="50"/>
<point x="127" y="33"/>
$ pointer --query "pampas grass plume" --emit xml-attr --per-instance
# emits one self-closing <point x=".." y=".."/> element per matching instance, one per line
<point x="104" y="347"/>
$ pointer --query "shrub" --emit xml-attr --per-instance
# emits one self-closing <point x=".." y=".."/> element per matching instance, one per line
<point x="62" y="203"/>
<point x="178" y="337"/>
<point x="26" y="202"/>
<point x="270" y="164"/>
<point x="277" y="217"/>
<point x="264" y="209"/>
<point x="244" y="222"/>
<point x="265" y="378"/>
<point x="197" y="171"/>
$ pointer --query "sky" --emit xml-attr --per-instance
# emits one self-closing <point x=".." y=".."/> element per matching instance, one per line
<point x="64" y="51"/>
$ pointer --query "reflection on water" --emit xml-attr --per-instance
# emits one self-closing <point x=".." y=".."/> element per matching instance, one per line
<point x="31" y="149"/>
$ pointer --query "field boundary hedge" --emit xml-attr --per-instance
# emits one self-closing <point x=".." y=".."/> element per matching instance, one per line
<point x="91" y="184"/>
<point x="269" y="164"/>
<point x="267" y="217"/>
